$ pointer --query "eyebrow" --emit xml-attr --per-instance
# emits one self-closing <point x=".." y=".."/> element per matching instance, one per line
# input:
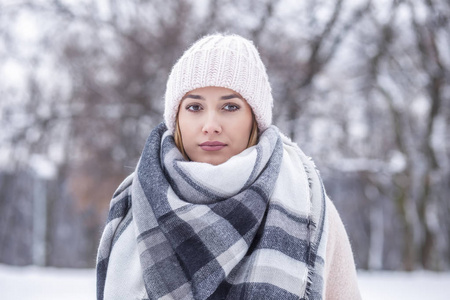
<point x="231" y="96"/>
<point x="198" y="97"/>
<point x="226" y="97"/>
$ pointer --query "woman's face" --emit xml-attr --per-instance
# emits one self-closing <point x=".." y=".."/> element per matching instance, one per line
<point x="215" y="124"/>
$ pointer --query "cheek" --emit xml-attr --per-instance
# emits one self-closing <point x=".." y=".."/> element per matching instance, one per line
<point x="244" y="127"/>
<point x="185" y="131"/>
<point x="185" y="123"/>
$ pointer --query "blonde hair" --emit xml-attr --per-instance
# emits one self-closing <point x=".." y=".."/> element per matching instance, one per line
<point x="252" y="141"/>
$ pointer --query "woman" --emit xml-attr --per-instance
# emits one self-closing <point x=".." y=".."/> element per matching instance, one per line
<point x="222" y="205"/>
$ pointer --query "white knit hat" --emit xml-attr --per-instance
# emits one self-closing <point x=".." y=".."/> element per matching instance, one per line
<point x="228" y="61"/>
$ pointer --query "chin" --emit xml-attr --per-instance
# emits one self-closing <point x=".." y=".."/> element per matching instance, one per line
<point x="213" y="160"/>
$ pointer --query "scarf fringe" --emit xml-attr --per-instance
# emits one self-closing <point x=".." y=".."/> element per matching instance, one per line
<point x="209" y="248"/>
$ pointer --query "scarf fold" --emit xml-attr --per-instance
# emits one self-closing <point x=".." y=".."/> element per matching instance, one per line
<point x="250" y="228"/>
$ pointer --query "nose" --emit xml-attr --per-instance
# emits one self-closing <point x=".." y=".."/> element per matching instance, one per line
<point x="211" y="124"/>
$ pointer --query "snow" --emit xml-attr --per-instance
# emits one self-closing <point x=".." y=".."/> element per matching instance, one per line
<point x="43" y="167"/>
<point x="399" y="285"/>
<point x="46" y="283"/>
<point x="50" y="283"/>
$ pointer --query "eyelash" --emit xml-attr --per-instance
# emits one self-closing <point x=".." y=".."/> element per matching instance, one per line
<point x="236" y="107"/>
<point x="188" y="107"/>
<point x="199" y="108"/>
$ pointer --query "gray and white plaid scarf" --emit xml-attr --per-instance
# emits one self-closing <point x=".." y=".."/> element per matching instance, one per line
<point x="253" y="227"/>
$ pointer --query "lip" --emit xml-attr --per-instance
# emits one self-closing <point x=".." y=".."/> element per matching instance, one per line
<point x="212" y="146"/>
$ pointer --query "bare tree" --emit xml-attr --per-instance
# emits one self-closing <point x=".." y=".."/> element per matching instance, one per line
<point x="362" y="87"/>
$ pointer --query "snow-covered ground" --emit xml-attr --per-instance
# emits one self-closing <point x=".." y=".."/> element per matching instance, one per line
<point x="46" y="283"/>
<point x="49" y="283"/>
<point x="408" y="286"/>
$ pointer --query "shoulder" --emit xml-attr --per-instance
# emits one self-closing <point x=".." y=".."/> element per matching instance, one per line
<point x="126" y="183"/>
<point x="338" y="244"/>
<point x="122" y="193"/>
<point x="340" y="273"/>
<point x="336" y="227"/>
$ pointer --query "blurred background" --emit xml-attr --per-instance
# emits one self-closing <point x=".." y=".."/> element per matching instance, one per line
<point x="362" y="86"/>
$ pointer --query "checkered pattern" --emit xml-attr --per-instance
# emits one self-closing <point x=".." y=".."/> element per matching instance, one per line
<point x="257" y="233"/>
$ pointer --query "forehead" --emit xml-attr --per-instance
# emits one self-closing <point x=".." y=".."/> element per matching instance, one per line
<point x="212" y="93"/>
<point x="213" y="89"/>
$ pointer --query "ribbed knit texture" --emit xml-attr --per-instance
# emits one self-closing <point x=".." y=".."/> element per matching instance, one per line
<point x="228" y="61"/>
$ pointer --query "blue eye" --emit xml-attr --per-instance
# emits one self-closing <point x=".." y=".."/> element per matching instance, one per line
<point x="231" y="107"/>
